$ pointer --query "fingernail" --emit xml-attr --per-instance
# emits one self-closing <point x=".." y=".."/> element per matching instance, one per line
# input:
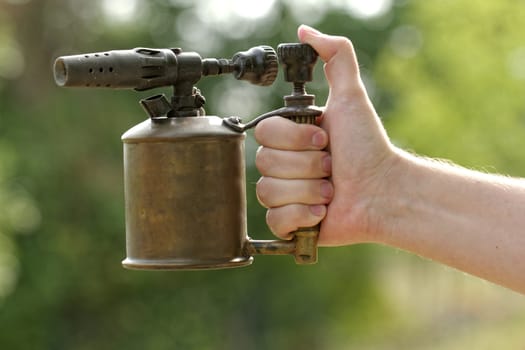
<point x="318" y="210"/>
<point x="326" y="164"/>
<point x="327" y="189"/>
<point x="319" y="139"/>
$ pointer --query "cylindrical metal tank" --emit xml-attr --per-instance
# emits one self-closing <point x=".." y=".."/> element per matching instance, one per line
<point x="185" y="194"/>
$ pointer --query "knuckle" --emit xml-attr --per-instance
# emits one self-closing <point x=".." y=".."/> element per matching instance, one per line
<point x="263" y="191"/>
<point x="274" y="223"/>
<point x="262" y="160"/>
<point x="344" y="41"/>
<point x="283" y="221"/>
<point x="260" y="132"/>
<point x="266" y="130"/>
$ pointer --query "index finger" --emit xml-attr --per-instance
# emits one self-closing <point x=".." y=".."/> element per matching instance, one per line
<point x="284" y="134"/>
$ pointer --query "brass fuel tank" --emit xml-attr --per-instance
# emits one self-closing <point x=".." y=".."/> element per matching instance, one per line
<point x="185" y="194"/>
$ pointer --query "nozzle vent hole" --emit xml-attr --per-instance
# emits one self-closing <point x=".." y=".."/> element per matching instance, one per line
<point x="110" y="69"/>
<point x="86" y="56"/>
<point x="90" y="70"/>
<point x="106" y="54"/>
<point x="96" y="55"/>
<point x="101" y="69"/>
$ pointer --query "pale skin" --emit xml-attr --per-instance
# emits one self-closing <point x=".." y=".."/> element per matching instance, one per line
<point x="348" y="174"/>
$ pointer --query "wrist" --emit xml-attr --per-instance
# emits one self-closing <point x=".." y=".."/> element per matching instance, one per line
<point x="391" y="206"/>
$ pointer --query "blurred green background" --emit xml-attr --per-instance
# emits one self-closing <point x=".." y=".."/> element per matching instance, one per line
<point x="447" y="77"/>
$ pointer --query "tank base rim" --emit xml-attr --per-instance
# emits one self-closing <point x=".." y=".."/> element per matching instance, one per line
<point x="185" y="264"/>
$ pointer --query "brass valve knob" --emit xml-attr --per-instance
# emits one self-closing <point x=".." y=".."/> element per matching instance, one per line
<point x="297" y="61"/>
<point x="257" y="65"/>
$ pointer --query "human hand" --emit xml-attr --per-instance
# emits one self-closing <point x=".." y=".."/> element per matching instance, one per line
<point x="334" y="172"/>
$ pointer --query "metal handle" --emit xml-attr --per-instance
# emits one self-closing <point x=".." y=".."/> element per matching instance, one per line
<point x="304" y="244"/>
<point x="297" y="61"/>
<point x="305" y="237"/>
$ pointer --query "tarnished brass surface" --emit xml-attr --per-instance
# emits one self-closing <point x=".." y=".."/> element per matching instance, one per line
<point x="185" y="195"/>
<point x="306" y="245"/>
<point x="275" y="247"/>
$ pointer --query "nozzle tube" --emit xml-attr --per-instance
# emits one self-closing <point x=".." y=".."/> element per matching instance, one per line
<point x="138" y="69"/>
<point x="216" y="66"/>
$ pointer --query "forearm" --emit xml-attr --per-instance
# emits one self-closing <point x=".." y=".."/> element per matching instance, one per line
<point x="469" y="220"/>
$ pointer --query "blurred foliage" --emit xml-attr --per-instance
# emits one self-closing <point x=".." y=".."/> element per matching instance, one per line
<point x="447" y="77"/>
<point x="458" y="72"/>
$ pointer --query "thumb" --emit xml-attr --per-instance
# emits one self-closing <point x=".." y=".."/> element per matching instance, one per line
<point x="341" y="67"/>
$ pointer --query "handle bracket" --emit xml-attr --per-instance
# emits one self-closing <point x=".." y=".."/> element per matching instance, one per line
<point x="303" y="246"/>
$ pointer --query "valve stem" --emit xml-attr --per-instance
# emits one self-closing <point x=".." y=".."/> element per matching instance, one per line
<point x="299" y="88"/>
